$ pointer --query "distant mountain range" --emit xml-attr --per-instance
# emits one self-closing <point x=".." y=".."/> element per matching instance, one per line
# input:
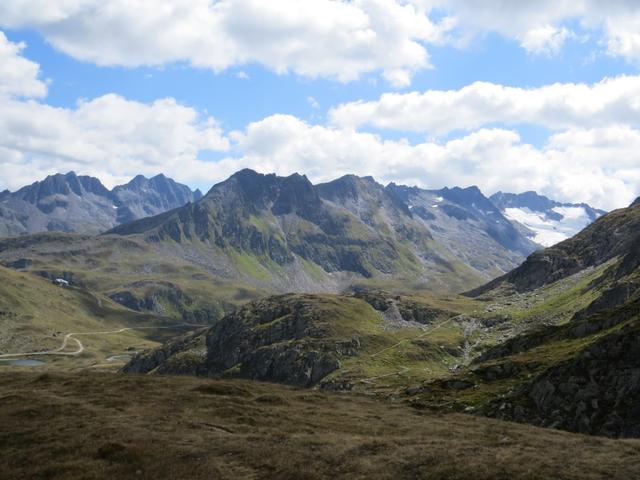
<point x="289" y="232"/>
<point x="548" y="222"/>
<point x="77" y="203"/>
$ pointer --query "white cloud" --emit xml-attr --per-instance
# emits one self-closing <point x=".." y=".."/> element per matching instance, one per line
<point x="593" y="158"/>
<point x="108" y="137"/>
<point x="526" y="22"/>
<point x="315" y="38"/>
<point x="557" y="106"/>
<point x="18" y="76"/>
<point x="547" y="39"/>
<point x="341" y="39"/>
<point x="598" y="166"/>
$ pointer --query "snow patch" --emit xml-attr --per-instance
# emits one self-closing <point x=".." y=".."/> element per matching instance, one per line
<point x="548" y="232"/>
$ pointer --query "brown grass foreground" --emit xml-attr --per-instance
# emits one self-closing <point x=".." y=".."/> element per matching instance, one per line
<point x="102" y="425"/>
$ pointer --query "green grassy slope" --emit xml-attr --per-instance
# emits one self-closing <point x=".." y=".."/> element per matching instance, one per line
<point x="131" y="271"/>
<point x="35" y="315"/>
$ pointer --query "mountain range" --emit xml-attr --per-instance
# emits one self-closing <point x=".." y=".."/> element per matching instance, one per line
<point x="78" y="203"/>
<point x="291" y="234"/>
<point x="263" y="232"/>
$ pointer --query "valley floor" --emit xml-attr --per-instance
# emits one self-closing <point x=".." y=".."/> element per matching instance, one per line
<point x="95" y="425"/>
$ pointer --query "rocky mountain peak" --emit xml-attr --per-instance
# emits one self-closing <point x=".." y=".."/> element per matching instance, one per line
<point x="77" y="203"/>
<point x="349" y="187"/>
<point x="636" y="203"/>
<point x="470" y="196"/>
<point x="260" y="192"/>
<point x="142" y="197"/>
<point x="62" y="184"/>
<point x="296" y="195"/>
<point x="136" y="182"/>
<point x="354" y="190"/>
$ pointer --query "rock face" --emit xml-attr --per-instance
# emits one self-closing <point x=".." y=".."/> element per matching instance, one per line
<point x="469" y="225"/>
<point x="76" y="203"/>
<point x="597" y="391"/>
<point x="284" y="339"/>
<point x="546" y="221"/>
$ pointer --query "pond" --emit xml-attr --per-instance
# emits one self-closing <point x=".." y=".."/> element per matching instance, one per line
<point x="116" y="358"/>
<point x="23" y="362"/>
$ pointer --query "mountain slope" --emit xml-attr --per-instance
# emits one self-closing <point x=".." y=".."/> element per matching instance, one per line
<point x="469" y="226"/>
<point x="610" y="236"/>
<point x="76" y="203"/>
<point x="548" y="222"/>
<point x="580" y="372"/>
<point x="35" y="315"/>
<point x="129" y="271"/>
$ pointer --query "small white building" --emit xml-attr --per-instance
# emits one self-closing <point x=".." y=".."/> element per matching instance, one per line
<point x="61" y="282"/>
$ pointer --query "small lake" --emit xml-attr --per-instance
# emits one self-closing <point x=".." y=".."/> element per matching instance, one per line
<point x="23" y="362"/>
<point x="117" y="358"/>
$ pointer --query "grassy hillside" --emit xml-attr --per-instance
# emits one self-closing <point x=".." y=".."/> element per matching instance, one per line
<point x="130" y="271"/>
<point x="99" y="426"/>
<point x="35" y="315"/>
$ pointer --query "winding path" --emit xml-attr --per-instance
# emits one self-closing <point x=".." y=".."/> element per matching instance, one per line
<point x="71" y="336"/>
<point x="428" y="330"/>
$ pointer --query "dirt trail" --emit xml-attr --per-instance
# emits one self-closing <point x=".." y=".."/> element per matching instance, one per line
<point x="71" y="336"/>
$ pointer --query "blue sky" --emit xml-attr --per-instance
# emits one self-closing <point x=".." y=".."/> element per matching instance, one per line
<point x="238" y="101"/>
<point x="275" y="91"/>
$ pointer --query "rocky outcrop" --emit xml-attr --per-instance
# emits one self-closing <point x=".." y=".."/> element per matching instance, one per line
<point x="282" y="339"/>
<point x="596" y="392"/>
<point x="410" y="310"/>
<point x="275" y="339"/>
<point x="185" y="355"/>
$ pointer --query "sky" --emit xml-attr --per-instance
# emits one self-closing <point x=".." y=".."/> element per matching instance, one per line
<point x="503" y="94"/>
